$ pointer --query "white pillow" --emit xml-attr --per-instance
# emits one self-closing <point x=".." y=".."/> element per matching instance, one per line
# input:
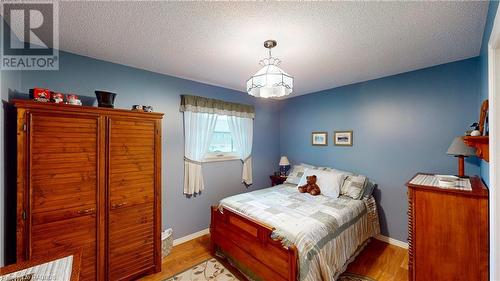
<point x="307" y="166"/>
<point x="335" y="170"/>
<point x="328" y="181"/>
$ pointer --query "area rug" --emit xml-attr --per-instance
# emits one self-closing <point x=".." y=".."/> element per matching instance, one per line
<point x="210" y="269"/>
<point x="213" y="270"/>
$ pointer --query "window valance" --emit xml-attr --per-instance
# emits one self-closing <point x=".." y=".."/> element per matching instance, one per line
<point x="208" y="105"/>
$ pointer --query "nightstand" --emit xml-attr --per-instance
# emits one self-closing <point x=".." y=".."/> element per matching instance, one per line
<point x="275" y="180"/>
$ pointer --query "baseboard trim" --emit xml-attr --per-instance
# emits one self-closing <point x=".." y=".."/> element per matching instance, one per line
<point x="191" y="236"/>
<point x="392" y="241"/>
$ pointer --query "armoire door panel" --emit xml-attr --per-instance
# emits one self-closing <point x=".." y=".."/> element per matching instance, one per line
<point x="130" y="124"/>
<point x="56" y="215"/>
<point x="131" y="190"/>
<point x="58" y="180"/>
<point x="127" y="149"/>
<point x="56" y="158"/>
<point x="130" y="237"/>
<point x="58" y="236"/>
<point x="74" y="130"/>
<point x="63" y="186"/>
<point x="125" y="166"/>
<point x="69" y="200"/>
<point x="124" y="177"/>
<point x="139" y="157"/>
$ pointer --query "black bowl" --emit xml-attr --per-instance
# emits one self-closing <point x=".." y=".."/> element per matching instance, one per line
<point x="105" y="99"/>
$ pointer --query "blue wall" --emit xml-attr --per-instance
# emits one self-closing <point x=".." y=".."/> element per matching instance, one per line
<point x="402" y="124"/>
<point x="492" y="11"/>
<point x="83" y="75"/>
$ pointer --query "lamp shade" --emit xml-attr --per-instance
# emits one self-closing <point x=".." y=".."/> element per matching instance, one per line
<point x="458" y="147"/>
<point x="284" y="161"/>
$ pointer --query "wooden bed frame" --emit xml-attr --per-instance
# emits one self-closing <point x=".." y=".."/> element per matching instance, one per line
<point x="249" y="242"/>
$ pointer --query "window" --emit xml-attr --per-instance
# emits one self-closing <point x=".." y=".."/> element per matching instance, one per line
<point x="222" y="145"/>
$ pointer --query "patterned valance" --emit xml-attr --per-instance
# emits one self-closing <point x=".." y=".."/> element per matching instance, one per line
<point x="207" y="105"/>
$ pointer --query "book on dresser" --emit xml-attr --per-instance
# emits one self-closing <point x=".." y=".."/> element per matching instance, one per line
<point x="447" y="229"/>
<point x="90" y="178"/>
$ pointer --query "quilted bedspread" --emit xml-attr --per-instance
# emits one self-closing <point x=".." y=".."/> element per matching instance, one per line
<point x="326" y="231"/>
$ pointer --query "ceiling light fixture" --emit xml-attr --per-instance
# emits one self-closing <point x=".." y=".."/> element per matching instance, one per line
<point x="270" y="81"/>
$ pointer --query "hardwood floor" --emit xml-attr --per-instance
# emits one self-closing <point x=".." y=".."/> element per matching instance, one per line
<point x="182" y="257"/>
<point x="379" y="260"/>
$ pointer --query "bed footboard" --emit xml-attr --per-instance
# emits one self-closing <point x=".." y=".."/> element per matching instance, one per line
<point x="249" y="243"/>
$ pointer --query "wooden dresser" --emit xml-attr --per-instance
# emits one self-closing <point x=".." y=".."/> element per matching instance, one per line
<point x="90" y="178"/>
<point x="448" y="232"/>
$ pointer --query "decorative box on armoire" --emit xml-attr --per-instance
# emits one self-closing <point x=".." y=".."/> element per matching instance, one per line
<point x="447" y="230"/>
<point x="90" y="178"/>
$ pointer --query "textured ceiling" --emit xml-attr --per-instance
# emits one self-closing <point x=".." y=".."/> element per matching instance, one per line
<point x="322" y="44"/>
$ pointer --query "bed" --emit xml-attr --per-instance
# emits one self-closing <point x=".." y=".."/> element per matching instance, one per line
<point x="278" y="233"/>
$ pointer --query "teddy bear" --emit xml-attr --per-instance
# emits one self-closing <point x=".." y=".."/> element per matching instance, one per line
<point x="311" y="187"/>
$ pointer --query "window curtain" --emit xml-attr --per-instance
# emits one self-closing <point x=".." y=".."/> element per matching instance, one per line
<point x="198" y="131"/>
<point x="200" y="117"/>
<point x="207" y="105"/>
<point x="242" y="130"/>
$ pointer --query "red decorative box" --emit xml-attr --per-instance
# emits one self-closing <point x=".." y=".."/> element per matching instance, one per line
<point x="42" y="95"/>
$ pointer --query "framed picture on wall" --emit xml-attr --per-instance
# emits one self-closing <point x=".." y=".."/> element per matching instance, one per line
<point x="342" y="138"/>
<point x="319" y="138"/>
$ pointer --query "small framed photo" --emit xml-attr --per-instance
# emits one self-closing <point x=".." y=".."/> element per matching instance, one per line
<point x="319" y="138"/>
<point x="342" y="138"/>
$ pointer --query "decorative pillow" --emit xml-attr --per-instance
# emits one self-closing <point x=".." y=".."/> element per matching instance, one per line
<point x="295" y="174"/>
<point x="328" y="182"/>
<point x="370" y="186"/>
<point x="354" y="186"/>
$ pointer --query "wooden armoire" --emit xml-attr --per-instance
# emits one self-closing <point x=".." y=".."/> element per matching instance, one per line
<point x="89" y="178"/>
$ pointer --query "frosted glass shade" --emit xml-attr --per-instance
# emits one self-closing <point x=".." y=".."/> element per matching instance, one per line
<point x="270" y="82"/>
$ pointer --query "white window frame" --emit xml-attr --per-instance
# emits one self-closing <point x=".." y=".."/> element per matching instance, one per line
<point x="221" y="156"/>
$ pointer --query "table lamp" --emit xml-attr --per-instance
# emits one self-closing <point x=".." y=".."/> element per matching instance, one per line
<point x="284" y="165"/>
<point x="459" y="149"/>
